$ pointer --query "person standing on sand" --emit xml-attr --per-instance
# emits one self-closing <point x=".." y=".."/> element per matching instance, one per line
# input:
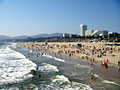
<point x="70" y="55"/>
<point x="102" y="63"/>
<point x="55" y="54"/>
<point x="91" y="61"/>
<point x="106" y="64"/>
<point x="107" y="60"/>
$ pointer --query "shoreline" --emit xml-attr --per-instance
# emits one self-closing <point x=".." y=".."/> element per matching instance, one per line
<point x="84" y="53"/>
<point x="99" y="70"/>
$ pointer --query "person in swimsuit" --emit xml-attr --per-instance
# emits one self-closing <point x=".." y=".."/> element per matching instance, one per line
<point x="92" y="76"/>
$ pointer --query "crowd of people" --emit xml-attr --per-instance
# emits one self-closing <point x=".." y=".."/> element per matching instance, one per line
<point x="95" y="53"/>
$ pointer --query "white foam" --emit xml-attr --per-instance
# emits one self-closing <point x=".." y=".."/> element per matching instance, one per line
<point x="47" y="68"/>
<point x="60" y="82"/>
<point x="110" y="82"/>
<point x="82" y="66"/>
<point x="96" y="76"/>
<point x="49" y="56"/>
<point x="31" y="51"/>
<point x="60" y="78"/>
<point x="13" y="45"/>
<point x="30" y="87"/>
<point x="12" y="88"/>
<point x="12" y="71"/>
<point x="58" y="59"/>
<point x="15" y="54"/>
<point x="6" y="50"/>
<point x="33" y="87"/>
<point x="26" y="87"/>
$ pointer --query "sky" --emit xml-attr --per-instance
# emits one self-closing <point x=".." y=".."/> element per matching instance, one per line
<point x="31" y="17"/>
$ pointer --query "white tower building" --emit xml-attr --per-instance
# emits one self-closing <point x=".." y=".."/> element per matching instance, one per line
<point x="83" y="28"/>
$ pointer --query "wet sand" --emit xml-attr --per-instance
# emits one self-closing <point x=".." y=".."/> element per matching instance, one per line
<point x="109" y="76"/>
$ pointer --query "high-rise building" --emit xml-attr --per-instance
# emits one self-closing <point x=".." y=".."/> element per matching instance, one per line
<point x="83" y="28"/>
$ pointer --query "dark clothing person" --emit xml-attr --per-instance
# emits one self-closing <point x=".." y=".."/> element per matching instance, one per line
<point x="39" y="75"/>
<point x="33" y="71"/>
<point x="37" y="68"/>
<point x="92" y="76"/>
<point x="118" y="65"/>
<point x="106" y="66"/>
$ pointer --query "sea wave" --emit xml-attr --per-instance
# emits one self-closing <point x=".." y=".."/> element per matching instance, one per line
<point x="47" y="68"/>
<point x="60" y="82"/>
<point x="55" y="58"/>
<point x="110" y="82"/>
<point x="13" y="71"/>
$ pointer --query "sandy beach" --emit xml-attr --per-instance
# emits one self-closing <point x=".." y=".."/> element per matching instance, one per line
<point x="93" y="52"/>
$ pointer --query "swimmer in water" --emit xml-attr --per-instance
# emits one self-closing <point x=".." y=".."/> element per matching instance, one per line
<point x="92" y="76"/>
<point x="33" y="71"/>
<point x="42" y="54"/>
<point x="39" y="75"/>
<point x="37" y="68"/>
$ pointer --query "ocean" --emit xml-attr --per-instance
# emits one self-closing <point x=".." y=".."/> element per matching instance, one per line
<point x="26" y="69"/>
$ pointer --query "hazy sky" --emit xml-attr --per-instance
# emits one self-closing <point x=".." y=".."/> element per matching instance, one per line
<point x="30" y="17"/>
